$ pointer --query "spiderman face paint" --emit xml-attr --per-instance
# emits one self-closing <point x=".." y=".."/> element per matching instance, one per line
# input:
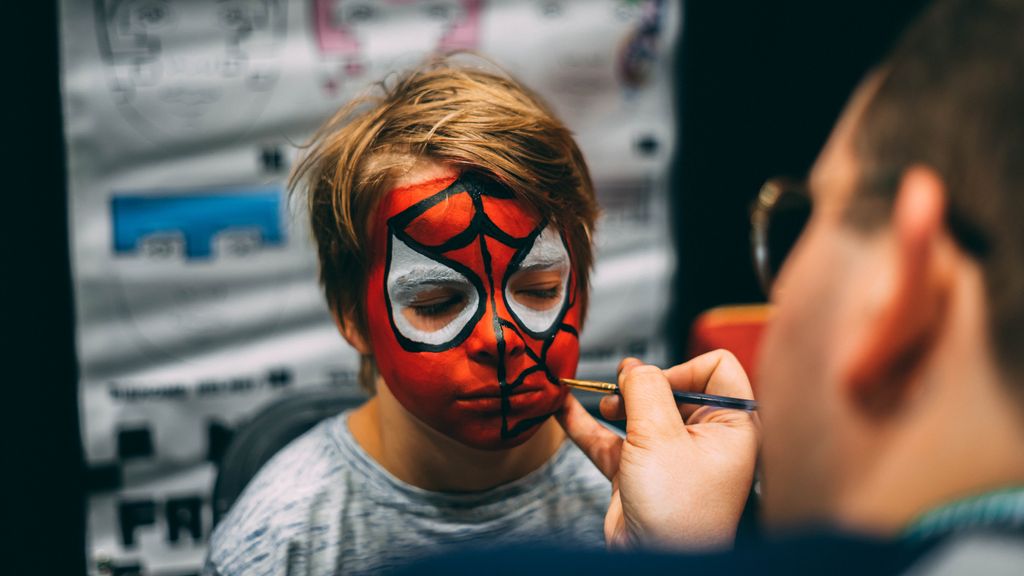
<point x="472" y="310"/>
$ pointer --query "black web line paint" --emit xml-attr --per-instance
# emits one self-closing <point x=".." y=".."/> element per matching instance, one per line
<point x="499" y="333"/>
<point x="479" y="228"/>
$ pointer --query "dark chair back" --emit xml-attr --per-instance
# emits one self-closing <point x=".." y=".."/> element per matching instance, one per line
<point x="270" y="430"/>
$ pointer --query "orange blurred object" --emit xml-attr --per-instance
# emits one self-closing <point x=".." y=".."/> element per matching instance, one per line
<point x="737" y="328"/>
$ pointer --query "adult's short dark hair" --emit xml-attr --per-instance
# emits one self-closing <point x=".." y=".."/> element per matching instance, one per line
<point x="951" y="96"/>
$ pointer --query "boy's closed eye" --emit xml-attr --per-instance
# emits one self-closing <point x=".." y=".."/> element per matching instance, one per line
<point x="434" y="308"/>
<point x="537" y="289"/>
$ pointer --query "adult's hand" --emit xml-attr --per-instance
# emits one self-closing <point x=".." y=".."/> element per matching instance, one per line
<point x="681" y="476"/>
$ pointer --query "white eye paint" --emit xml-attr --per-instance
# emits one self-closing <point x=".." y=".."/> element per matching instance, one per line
<point x="409" y="275"/>
<point x="547" y="253"/>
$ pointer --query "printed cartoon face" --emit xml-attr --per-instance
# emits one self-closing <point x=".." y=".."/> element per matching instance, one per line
<point x="180" y="67"/>
<point x="375" y="29"/>
<point x="357" y="37"/>
<point x="472" y="309"/>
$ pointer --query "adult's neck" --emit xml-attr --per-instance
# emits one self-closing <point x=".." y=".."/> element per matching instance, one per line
<point x="959" y="437"/>
<point x="423" y="457"/>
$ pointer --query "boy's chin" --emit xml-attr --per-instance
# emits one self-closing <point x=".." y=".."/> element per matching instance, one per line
<point x="490" y="436"/>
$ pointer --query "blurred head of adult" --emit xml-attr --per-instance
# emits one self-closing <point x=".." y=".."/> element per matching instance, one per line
<point x="892" y="374"/>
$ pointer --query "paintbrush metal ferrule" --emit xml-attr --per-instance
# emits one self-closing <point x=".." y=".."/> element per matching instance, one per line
<point x="591" y="385"/>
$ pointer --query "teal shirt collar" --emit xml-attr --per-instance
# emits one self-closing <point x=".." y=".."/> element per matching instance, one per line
<point x="1002" y="509"/>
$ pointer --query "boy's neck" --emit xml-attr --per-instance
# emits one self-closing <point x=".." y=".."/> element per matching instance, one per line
<point x="423" y="457"/>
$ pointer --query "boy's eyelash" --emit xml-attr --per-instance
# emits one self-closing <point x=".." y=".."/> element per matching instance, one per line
<point x="544" y="292"/>
<point x="437" y="308"/>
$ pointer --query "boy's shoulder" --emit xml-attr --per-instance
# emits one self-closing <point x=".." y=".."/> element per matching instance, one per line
<point x="280" y="503"/>
<point x="302" y="467"/>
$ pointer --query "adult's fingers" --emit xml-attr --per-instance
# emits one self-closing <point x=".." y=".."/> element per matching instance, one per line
<point x="615" y="523"/>
<point x="602" y="446"/>
<point x="716" y="372"/>
<point x="650" y="408"/>
<point x="628" y="362"/>
<point x="612" y="408"/>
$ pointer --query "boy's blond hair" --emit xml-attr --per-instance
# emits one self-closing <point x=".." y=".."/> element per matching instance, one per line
<point x="459" y="115"/>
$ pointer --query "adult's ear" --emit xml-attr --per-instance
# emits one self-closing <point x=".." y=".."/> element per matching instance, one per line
<point x="908" y="307"/>
<point x="349" y="329"/>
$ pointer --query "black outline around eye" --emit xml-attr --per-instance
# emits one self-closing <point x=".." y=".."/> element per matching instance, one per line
<point x="407" y="343"/>
<point x="513" y="267"/>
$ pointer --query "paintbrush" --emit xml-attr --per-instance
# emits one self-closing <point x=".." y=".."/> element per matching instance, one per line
<point x="681" y="397"/>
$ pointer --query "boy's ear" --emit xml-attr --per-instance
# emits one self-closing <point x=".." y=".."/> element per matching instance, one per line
<point x="907" y="311"/>
<point x="347" y="326"/>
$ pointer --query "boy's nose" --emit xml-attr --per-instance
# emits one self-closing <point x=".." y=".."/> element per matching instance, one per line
<point x="489" y="341"/>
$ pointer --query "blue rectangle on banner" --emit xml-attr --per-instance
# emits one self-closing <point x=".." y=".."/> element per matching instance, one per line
<point x="198" y="218"/>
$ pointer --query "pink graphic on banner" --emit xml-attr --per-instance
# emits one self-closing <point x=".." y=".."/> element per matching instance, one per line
<point x="344" y="29"/>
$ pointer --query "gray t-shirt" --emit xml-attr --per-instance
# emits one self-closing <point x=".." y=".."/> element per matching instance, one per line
<point x="323" y="506"/>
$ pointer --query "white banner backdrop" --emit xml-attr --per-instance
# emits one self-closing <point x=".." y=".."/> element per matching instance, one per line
<point x="195" y="281"/>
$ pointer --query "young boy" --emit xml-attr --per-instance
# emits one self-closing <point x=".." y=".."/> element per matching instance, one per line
<point x="452" y="215"/>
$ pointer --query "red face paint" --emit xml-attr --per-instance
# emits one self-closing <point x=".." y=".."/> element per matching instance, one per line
<point x="472" y="310"/>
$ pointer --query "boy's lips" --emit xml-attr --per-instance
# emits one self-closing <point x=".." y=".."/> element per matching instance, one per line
<point x="495" y="392"/>
<point x="490" y="400"/>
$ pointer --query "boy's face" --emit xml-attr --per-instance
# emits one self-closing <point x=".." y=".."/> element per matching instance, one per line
<point x="472" y="309"/>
